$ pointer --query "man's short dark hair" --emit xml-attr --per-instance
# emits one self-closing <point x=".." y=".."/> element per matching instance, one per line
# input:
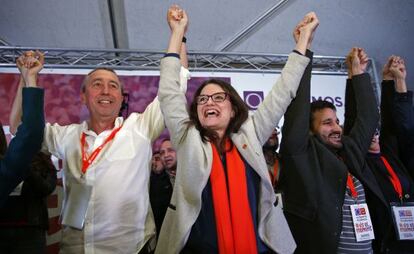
<point x="319" y="105"/>
<point x="85" y="80"/>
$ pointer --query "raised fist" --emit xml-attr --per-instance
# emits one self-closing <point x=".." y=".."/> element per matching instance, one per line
<point x="30" y="63"/>
<point x="306" y="28"/>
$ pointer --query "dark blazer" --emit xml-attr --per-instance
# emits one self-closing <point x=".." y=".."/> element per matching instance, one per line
<point x="385" y="239"/>
<point x="160" y="195"/>
<point x="30" y="207"/>
<point x="22" y="148"/>
<point x="313" y="179"/>
<point x="403" y="120"/>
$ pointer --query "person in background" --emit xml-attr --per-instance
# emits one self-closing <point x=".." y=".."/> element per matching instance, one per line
<point x="272" y="157"/>
<point x="156" y="163"/>
<point x="169" y="159"/>
<point x="162" y="182"/>
<point x="160" y="190"/>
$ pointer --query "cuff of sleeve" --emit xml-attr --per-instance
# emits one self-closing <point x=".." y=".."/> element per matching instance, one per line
<point x="308" y="53"/>
<point x="404" y="97"/>
<point x="185" y="73"/>
<point x="388" y="82"/>
<point x="297" y="52"/>
<point x="172" y="54"/>
<point x="32" y="90"/>
<point x="360" y="76"/>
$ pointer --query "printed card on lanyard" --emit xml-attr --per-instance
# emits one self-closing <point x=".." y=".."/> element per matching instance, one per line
<point x="403" y="218"/>
<point x="362" y="222"/>
<point x="76" y="205"/>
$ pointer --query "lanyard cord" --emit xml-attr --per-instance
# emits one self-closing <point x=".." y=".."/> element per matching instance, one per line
<point x="393" y="178"/>
<point x="87" y="160"/>
<point x="351" y="186"/>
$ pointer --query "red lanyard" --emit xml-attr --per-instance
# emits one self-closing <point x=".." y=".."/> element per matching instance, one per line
<point x="87" y="160"/>
<point x="275" y="171"/>
<point x="351" y="186"/>
<point x="393" y="178"/>
<point x="273" y="176"/>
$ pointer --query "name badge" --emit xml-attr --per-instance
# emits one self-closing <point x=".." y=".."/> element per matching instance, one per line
<point x="279" y="200"/>
<point x="403" y="218"/>
<point x="76" y="205"/>
<point x="362" y="222"/>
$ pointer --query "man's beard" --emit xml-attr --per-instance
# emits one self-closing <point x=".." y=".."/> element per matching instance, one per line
<point x="272" y="148"/>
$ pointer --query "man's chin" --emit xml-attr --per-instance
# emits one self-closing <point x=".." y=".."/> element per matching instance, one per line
<point x="335" y="145"/>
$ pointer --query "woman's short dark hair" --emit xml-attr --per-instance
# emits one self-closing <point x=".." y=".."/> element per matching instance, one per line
<point x="240" y="109"/>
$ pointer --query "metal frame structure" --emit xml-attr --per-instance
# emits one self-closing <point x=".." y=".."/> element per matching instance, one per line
<point x="120" y="59"/>
<point x="150" y="60"/>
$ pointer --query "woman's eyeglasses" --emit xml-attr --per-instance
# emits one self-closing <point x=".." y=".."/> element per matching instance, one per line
<point x="216" y="97"/>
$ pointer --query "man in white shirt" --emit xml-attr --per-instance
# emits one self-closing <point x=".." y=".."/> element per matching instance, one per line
<point x="106" y="169"/>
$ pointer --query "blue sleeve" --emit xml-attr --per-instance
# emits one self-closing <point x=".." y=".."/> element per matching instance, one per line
<point x="25" y="144"/>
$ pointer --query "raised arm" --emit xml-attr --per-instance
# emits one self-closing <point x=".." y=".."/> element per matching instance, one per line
<point x="296" y="125"/>
<point x="26" y="143"/>
<point x="152" y="112"/>
<point x="172" y="98"/>
<point x="399" y="73"/>
<point x="354" y="68"/>
<point x="350" y="107"/>
<point x="367" y="116"/>
<point x="183" y="51"/>
<point x="29" y="64"/>
<point x="403" y="113"/>
<point x="388" y="130"/>
<point x="16" y="110"/>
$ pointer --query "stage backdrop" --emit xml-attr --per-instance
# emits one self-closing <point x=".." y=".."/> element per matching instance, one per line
<point x="62" y="105"/>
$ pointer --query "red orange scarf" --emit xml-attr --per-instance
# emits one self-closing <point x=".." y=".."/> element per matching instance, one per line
<point x="234" y="222"/>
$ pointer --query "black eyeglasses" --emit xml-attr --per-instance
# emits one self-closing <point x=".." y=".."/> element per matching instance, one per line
<point x="216" y="97"/>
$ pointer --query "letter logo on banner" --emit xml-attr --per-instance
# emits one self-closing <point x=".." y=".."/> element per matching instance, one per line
<point x="253" y="99"/>
<point x="337" y="101"/>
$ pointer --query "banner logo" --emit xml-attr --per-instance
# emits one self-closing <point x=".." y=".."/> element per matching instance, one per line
<point x="253" y="99"/>
<point x="360" y="211"/>
<point x="405" y="213"/>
